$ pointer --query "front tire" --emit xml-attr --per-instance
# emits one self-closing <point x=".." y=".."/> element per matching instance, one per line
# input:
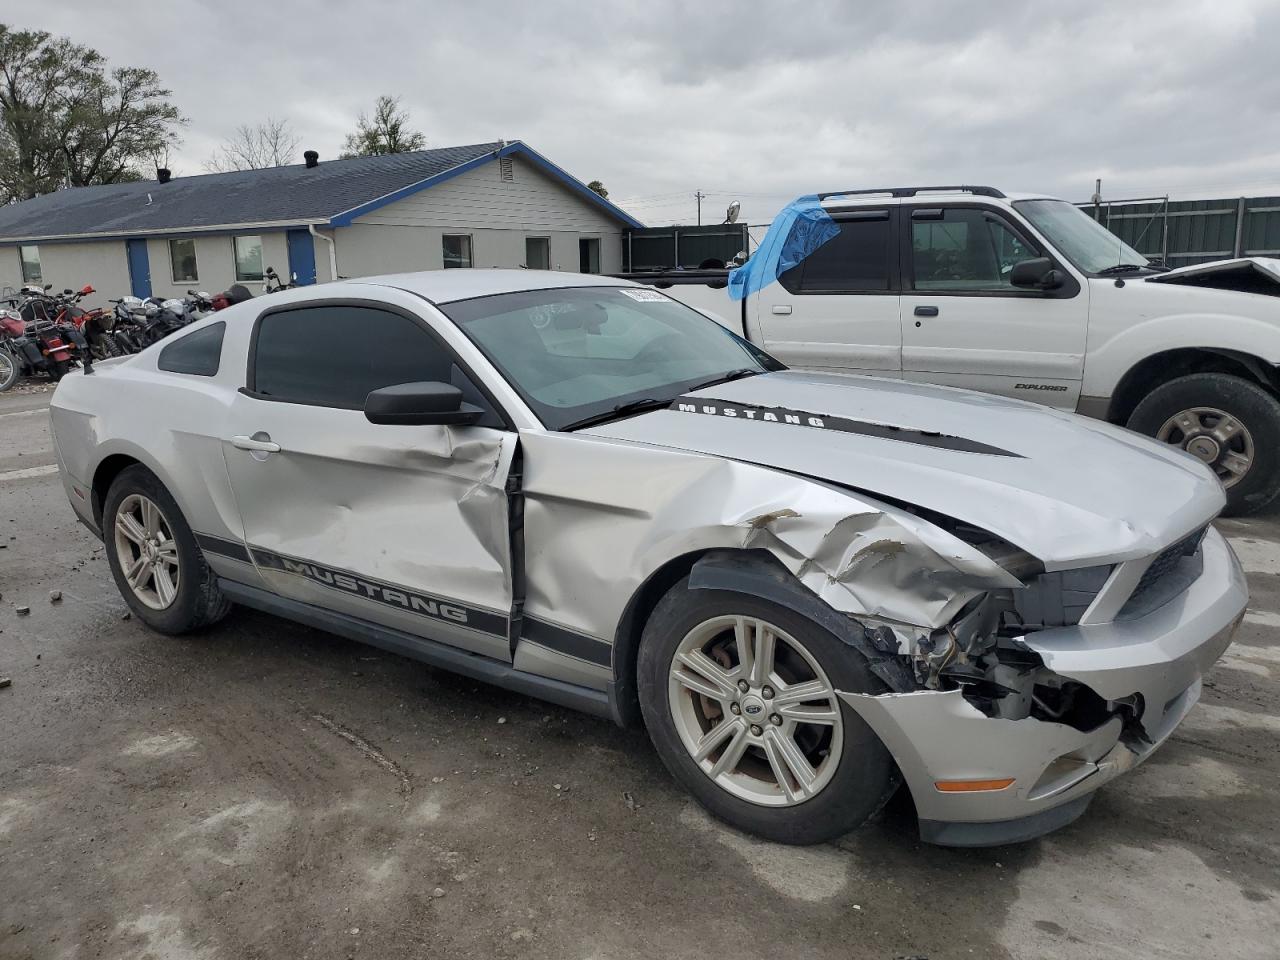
<point x="739" y="697"/>
<point x="1230" y="423"/>
<point x="158" y="567"/>
<point x="10" y="370"/>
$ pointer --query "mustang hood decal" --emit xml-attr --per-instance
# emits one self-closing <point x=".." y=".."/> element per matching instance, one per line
<point x="1025" y="473"/>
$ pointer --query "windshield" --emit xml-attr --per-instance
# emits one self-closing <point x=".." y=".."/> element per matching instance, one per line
<point x="1080" y="238"/>
<point x="578" y="353"/>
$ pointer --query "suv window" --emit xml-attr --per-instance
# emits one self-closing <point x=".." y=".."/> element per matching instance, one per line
<point x="335" y="355"/>
<point x="964" y="249"/>
<point x="858" y="260"/>
<point x="198" y="353"/>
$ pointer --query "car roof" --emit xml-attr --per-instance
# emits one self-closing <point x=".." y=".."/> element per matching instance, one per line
<point x="447" y="286"/>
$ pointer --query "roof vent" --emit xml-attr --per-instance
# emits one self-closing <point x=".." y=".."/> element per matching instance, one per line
<point x="163" y="174"/>
<point x="506" y="170"/>
<point x="311" y="158"/>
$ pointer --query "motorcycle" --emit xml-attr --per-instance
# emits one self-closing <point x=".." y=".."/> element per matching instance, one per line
<point x="273" y="284"/>
<point x="36" y="346"/>
<point x="95" y="325"/>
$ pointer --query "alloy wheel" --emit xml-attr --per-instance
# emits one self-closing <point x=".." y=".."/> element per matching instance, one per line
<point x="1215" y="437"/>
<point x="755" y="711"/>
<point x="147" y="551"/>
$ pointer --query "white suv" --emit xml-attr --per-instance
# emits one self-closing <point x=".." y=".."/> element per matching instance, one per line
<point x="1027" y="296"/>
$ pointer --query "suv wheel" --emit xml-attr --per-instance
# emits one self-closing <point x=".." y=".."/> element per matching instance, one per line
<point x="739" y="697"/>
<point x="155" y="560"/>
<point x="1230" y="423"/>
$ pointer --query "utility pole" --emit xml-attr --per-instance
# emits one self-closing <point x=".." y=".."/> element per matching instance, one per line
<point x="699" y="196"/>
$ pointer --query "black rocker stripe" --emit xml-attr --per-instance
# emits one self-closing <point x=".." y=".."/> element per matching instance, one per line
<point x="441" y="609"/>
<point x="223" y="548"/>
<point x="819" y="421"/>
<point x="568" y="642"/>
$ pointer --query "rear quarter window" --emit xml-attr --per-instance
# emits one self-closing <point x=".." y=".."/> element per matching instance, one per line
<point x="198" y="353"/>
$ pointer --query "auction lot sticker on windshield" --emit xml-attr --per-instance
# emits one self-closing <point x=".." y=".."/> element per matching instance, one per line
<point x="643" y="295"/>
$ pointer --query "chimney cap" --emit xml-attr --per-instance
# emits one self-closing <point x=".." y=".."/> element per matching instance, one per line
<point x="163" y="174"/>
<point x="311" y="158"/>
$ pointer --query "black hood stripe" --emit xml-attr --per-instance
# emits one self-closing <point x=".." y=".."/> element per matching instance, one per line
<point x="822" y="421"/>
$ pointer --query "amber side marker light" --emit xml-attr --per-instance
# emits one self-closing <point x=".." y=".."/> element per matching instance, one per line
<point x="972" y="786"/>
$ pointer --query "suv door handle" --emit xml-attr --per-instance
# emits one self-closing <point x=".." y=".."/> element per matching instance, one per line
<point x="926" y="311"/>
<point x="782" y="309"/>
<point x="251" y="443"/>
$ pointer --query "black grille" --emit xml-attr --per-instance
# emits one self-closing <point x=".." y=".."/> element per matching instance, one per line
<point x="1166" y="560"/>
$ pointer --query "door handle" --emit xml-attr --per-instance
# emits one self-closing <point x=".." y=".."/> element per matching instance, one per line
<point x="926" y="311"/>
<point x="782" y="309"/>
<point x="253" y="443"/>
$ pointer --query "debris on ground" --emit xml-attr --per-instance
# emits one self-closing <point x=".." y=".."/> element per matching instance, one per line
<point x="4" y="682"/>
<point x="630" y="801"/>
<point x="55" y="596"/>
<point x="502" y="719"/>
<point x="127" y="616"/>
<point x="22" y="611"/>
<point x="438" y="892"/>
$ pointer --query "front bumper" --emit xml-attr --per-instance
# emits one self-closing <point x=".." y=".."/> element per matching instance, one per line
<point x="939" y="736"/>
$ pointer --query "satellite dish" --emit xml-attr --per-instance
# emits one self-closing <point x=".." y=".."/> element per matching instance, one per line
<point x="731" y="215"/>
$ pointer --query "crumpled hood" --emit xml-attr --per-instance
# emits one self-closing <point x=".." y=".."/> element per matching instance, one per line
<point x="1069" y="490"/>
<point x="1243" y="274"/>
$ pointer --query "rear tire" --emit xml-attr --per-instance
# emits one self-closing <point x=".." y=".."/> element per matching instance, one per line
<point x="1229" y="422"/>
<point x="158" y="567"/>
<point x="755" y="789"/>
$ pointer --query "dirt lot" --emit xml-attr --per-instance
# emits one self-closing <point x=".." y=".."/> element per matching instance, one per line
<point x="270" y="791"/>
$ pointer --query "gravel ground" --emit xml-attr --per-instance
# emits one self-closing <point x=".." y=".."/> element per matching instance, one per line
<point x="266" y="790"/>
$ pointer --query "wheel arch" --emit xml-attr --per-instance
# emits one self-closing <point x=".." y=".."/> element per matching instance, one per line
<point x="113" y="462"/>
<point x="1161" y="368"/>
<point x="751" y="572"/>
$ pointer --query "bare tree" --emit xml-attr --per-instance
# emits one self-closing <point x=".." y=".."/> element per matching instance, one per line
<point x="271" y="143"/>
<point x="387" y="131"/>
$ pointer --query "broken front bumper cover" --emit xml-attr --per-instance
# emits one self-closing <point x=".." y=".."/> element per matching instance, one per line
<point x="939" y="737"/>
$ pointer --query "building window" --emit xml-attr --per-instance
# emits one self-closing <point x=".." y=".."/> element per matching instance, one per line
<point x="457" y="250"/>
<point x="30" y="264"/>
<point x="182" y="260"/>
<point x="248" y="258"/>
<point x="537" y="253"/>
<point x="588" y="255"/>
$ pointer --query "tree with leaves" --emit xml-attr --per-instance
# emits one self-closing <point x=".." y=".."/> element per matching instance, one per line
<point x="387" y="131"/>
<point x="270" y="144"/>
<point x="598" y="187"/>
<point x="66" y="119"/>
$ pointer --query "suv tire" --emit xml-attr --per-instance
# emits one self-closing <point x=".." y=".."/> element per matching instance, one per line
<point x="1185" y="412"/>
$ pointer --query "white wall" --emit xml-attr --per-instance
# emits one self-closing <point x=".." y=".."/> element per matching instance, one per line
<point x="496" y="213"/>
<point x="215" y="264"/>
<point x="100" y="263"/>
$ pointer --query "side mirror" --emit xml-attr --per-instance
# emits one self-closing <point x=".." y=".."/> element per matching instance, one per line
<point x="1037" y="274"/>
<point x="413" y="404"/>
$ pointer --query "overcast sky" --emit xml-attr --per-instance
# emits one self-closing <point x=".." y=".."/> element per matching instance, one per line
<point x="745" y="100"/>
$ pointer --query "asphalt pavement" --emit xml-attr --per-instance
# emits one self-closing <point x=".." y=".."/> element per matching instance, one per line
<point x="264" y="790"/>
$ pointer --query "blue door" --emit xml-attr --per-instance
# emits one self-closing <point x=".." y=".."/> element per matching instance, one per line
<point x="139" y="268"/>
<point x="302" y="256"/>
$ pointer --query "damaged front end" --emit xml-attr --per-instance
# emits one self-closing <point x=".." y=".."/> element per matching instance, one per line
<point x="1030" y="698"/>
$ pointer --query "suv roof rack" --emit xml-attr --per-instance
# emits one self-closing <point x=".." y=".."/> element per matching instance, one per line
<point x="912" y="191"/>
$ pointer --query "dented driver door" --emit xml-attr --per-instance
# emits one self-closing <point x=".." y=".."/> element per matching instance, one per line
<point x="403" y="526"/>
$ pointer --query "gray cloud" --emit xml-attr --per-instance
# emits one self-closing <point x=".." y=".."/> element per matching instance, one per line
<point x="755" y="101"/>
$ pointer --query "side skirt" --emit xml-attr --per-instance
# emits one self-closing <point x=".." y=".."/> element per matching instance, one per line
<point x="594" y="702"/>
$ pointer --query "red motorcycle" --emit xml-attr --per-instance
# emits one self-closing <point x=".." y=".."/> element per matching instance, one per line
<point x="32" y="341"/>
<point x="95" y="325"/>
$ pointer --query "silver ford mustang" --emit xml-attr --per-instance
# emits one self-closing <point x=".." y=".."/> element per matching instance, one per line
<point x="809" y="588"/>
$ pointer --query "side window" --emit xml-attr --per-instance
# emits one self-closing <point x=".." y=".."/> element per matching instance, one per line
<point x="334" y="356"/>
<point x="858" y="260"/>
<point x="197" y="353"/>
<point x="963" y="249"/>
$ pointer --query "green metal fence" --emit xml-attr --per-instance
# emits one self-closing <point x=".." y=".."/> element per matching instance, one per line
<point x="663" y="248"/>
<point x="1185" y="232"/>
